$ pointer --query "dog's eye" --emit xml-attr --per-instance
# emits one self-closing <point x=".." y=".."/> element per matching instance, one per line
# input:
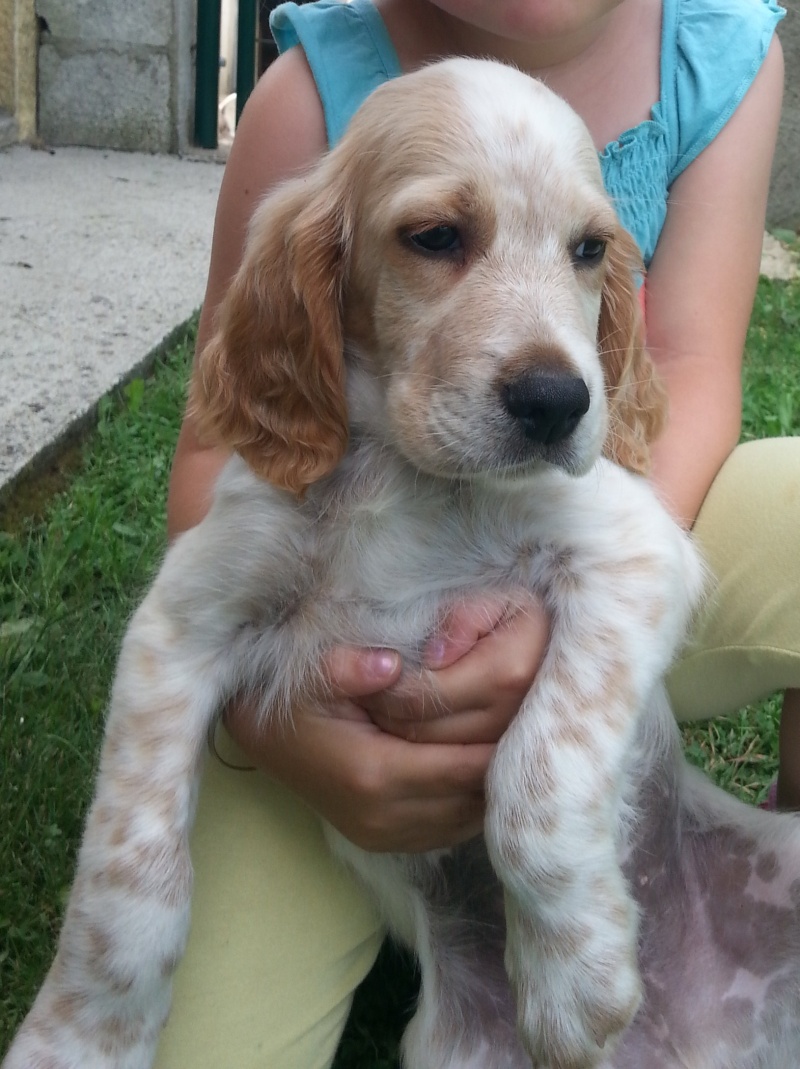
<point x="590" y="251"/>
<point x="438" y="239"/>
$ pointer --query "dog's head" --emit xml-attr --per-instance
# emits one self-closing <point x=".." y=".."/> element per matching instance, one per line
<point x="457" y="252"/>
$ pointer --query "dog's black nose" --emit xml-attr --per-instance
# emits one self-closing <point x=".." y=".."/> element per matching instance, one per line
<point x="548" y="406"/>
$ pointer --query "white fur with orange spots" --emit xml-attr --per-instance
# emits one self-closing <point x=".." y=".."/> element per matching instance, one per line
<point x="441" y="368"/>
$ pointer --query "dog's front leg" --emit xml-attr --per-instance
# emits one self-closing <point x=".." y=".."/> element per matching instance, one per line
<point x="552" y="827"/>
<point x="556" y="789"/>
<point x="106" y="996"/>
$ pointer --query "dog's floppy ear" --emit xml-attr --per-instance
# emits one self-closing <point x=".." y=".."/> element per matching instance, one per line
<point x="270" y="383"/>
<point x="637" y="400"/>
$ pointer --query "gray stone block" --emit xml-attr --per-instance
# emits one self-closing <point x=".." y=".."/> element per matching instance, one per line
<point x="8" y="129"/>
<point x="105" y="99"/>
<point x="140" y="23"/>
<point x="784" y="199"/>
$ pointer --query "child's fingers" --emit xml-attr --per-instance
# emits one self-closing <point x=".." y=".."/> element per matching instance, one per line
<point x="354" y="673"/>
<point x="462" y="628"/>
<point x="405" y="796"/>
<point x="502" y="666"/>
<point x="381" y="792"/>
<point x="475" y="698"/>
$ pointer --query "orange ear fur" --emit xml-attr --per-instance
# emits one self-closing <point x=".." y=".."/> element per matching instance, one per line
<point x="270" y="383"/>
<point x="637" y="399"/>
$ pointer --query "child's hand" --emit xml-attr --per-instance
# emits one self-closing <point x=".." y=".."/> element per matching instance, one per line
<point x="386" y="793"/>
<point x="481" y="666"/>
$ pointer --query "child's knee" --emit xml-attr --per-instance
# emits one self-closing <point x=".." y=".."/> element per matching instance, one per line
<point x="746" y="643"/>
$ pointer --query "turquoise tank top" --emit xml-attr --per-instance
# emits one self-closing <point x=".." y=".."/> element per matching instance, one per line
<point x="711" y="50"/>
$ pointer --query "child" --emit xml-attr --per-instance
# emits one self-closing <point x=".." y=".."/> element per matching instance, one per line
<point x="682" y="98"/>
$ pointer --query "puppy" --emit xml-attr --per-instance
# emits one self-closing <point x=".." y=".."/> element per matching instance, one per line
<point x="430" y="369"/>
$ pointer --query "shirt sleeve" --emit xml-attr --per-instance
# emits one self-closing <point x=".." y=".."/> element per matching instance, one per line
<point x="348" y="50"/>
<point x="718" y="47"/>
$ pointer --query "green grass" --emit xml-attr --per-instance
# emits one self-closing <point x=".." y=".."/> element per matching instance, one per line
<point x="70" y="575"/>
<point x="740" y="752"/>
<point x="67" y="585"/>
<point x="772" y="367"/>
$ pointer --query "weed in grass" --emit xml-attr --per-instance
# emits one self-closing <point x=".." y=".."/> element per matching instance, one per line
<point x="68" y="581"/>
<point x="739" y="752"/>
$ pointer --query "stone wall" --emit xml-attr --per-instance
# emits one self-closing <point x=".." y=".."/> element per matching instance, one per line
<point x="18" y="44"/>
<point x="120" y="74"/>
<point x="784" y="201"/>
<point x="116" y="74"/>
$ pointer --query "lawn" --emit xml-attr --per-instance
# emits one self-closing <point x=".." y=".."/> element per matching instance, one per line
<point x="76" y="553"/>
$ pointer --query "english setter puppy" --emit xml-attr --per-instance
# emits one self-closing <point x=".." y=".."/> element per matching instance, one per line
<point x="431" y="371"/>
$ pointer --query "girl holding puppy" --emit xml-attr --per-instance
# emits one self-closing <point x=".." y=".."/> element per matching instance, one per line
<point x="682" y="98"/>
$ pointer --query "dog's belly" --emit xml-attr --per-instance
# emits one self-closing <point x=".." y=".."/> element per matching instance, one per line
<point x="721" y="979"/>
<point x="718" y="885"/>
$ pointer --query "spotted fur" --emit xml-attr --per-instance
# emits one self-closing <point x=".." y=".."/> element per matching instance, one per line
<point x="618" y="912"/>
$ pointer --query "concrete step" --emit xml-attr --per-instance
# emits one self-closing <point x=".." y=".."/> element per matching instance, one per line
<point x="102" y="255"/>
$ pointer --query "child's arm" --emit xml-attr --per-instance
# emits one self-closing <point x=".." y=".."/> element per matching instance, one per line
<point x="281" y="132"/>
<point x="381" y="791"/>
<point x="700" y="291"/>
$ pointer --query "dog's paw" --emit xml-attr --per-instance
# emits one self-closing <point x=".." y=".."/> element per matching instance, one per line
<point x="31" y="1050"/>
<point x="42" y="1044"/>
<point x="573" y="1001"/>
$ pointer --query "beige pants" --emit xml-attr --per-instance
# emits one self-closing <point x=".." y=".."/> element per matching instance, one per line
<point x="747" y="641"/>
<point x="281" y="936"/>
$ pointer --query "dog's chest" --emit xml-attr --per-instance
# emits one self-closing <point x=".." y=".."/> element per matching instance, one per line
<point x="385" y="564"/>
